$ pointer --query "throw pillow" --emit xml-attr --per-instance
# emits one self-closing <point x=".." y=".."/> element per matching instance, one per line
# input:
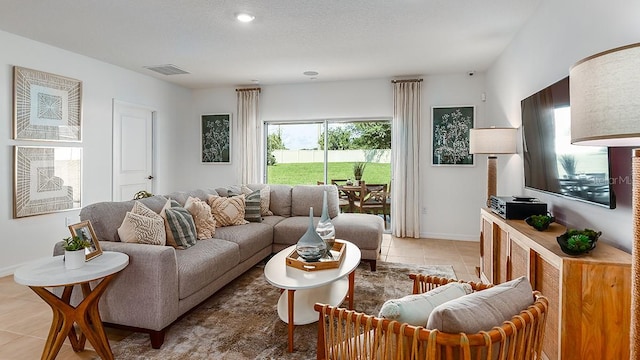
<point x="179" y="225"/>
<point x="416" y="308"/>
<point x="227" y="211"/>
<point x="482" y="310"/>
<point x="252" y="207"/>
<point x="265" y="198"/>
<point x="142" y="225"/>
<point x="202" y="217"/>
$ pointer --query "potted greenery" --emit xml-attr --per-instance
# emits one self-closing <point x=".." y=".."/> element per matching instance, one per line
<point x="578" y="242"/>
<point x="540" y="222"/>
<point x="358" y="169"/>
<point x="74" y="254"/>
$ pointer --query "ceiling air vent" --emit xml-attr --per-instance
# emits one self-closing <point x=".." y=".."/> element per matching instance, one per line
<point x="167" y="69"/>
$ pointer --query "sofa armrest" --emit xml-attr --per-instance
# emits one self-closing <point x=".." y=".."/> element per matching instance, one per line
<point x="145" y="293"/>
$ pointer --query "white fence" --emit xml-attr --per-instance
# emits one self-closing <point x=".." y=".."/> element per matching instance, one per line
<point x="307" y="156"/>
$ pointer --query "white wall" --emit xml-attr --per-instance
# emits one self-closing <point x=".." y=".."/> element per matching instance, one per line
<point x="29" y="238"/>
<point x="559" y="34"/>
<point x="452" y="195"/>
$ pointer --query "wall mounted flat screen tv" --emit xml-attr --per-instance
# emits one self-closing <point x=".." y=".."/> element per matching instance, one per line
<point x="551" y="163"/>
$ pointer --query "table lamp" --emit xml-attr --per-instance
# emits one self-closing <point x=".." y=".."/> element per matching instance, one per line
<point x="605" y="111"/>
<point x="492" y="141"/>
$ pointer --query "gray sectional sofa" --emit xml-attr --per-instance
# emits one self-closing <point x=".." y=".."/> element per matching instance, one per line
<point x="162" y="283"/>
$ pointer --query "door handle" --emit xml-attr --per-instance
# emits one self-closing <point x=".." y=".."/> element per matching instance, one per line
<point x="150" y="177"/>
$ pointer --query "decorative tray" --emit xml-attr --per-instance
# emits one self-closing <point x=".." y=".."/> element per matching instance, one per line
<point x="338" y="250"/>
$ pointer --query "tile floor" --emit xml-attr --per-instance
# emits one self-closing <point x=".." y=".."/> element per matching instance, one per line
<point x="25" y="318"/>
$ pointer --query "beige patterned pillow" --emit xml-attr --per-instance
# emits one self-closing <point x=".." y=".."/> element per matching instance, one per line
<point x="142" y="225"/>
<point x="265" y="198"/>
<point x="201" y="212"/>
<point x="227" y="211"/>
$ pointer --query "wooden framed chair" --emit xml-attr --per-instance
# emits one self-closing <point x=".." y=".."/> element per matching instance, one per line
<point x="372" y="199"/>
<point x="348" y="335"/>
<point x="343" y="198"/>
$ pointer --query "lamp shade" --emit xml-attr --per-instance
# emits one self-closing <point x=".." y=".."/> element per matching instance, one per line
<point x="605" y="98"/>
<point x="492" y="141"/>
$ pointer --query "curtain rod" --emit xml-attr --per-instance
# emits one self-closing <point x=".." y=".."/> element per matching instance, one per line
<point x="249" y="89"/>
<point x="404" y="81"/>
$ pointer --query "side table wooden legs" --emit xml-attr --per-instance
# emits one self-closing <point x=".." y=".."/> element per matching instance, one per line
<point x="86" y="315"/>
<point x="291" y="326"/>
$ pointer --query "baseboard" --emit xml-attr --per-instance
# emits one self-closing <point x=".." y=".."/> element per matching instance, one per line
<point x="9" y="270"/>
<point x="459" y="237"/>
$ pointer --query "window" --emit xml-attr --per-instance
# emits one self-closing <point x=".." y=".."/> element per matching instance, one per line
<point x="296" y="151"/>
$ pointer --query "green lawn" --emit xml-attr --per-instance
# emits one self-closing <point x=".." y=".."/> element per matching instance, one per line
<point x="311" y="173"/>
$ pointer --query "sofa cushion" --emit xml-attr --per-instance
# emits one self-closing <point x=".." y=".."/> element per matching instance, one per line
<point x="203" y="263"/>
<point x="305" y="196"/>
<point x="251" y="238"/>
<point x="291" y="229"/>
<point x="182" y="196"/>
<point x="252" y="207"/>
<point x="415" y="309"/>
<point x="227" y="211"/>
<point x="142" y="225"/>
<point x="202" y="217"/>
<point x="265" y="197"/>
<point x="106" y="217"/>
<point x="364" y="230"/>
<point x="280" y="199"/>
<point x="272" y="220"/>
<point x="484" y="309"/>
<point x="232" y="190"/>
<point x="179" y="225"/>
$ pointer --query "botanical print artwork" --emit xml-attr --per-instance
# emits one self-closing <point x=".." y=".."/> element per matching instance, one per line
<point x="451" y="127"/>
<point x="216" y="138"/>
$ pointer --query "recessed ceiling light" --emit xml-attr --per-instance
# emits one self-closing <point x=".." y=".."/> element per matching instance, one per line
<point x="244" y="17"/>
<point x="310" y="73"/>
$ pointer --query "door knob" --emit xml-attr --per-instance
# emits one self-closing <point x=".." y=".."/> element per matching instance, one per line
<point x="150" y="177"/>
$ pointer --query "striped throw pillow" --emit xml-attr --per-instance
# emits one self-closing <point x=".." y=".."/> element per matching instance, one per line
<point x="179" y="225"/>
<point x="252" y="211"/>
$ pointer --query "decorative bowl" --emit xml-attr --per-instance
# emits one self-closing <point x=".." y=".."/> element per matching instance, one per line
<point x="540" y="222"/>
<point x="577" y="242"/>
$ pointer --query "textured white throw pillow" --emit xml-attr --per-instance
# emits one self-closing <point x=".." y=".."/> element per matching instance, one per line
<point x="415" y="309"/>
<point x="142" y="225"/>
<point x="202" y="217"/>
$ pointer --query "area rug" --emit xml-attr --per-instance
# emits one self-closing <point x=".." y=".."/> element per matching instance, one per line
<point x="240" y="321"/>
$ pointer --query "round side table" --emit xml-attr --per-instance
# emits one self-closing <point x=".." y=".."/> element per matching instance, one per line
<point x="50" y="272"/>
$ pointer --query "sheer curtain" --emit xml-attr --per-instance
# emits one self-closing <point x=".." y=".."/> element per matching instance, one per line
<point x="405" y="159"/>
<point x="250" y="130"/>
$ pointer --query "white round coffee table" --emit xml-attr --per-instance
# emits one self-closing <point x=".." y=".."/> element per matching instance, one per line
<point x="50" y="272"/>
<point x="305" y="288"/>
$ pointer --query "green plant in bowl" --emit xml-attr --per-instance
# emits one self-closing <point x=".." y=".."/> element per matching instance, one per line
<point x="540" y="222"/>
<point x="577" y="242"/>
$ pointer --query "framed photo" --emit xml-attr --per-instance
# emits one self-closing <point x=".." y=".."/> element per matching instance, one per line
<point x="46" y="106"/>
<point x="216" y="138"/>
<point x="46" y="179"/>
<point x="84" y="230"/>
<point x="450" y="135"/>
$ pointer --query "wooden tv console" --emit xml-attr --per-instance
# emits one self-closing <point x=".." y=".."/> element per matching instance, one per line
<point x="589" y="296"/>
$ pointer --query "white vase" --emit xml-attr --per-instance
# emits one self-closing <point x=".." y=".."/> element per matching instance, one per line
<point x="74" y="259"/>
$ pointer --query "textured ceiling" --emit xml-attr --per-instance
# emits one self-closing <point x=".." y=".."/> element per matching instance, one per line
<point x="341" y="39"/>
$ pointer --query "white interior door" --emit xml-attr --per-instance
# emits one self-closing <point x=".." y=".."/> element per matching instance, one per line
<point x="132" y="150"/>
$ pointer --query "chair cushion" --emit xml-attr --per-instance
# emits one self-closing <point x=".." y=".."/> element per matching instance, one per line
<point x="482" y="310"/>
<point x="415" y="309"/>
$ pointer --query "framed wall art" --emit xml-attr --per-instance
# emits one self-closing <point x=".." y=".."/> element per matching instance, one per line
<point x="46" y="106"/>
<point x="46" y="179"/>
<point x="216" y="138"/>
<point x="84" y="230"/>
<point x="450" y="135"/>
